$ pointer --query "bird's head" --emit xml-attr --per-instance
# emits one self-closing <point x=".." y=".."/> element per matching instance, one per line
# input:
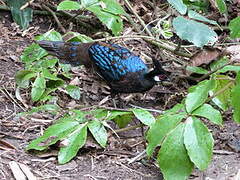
<point x="157" y="74"/>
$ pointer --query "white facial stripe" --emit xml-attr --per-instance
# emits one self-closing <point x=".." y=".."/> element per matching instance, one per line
<point x="156" y="78"/>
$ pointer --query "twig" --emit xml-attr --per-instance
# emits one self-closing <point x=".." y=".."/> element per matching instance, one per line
<point x="55" y="18"/>
<point x="151" y="40"/>
<point x="137" y="158"/>
<point x="220" y="91"/>
<point x="211" y="72"/>
<point x="27" y="4"/>
<point x="77" y="18"/>
<point x="138" y="17"/>
<point x="9" y="96"/>
<point x="128" y="128"/>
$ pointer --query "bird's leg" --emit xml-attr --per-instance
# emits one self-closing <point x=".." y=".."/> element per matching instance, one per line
<point x="113" y="95"/>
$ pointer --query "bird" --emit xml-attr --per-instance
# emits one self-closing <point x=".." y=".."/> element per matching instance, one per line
<point x="122" y="70"/>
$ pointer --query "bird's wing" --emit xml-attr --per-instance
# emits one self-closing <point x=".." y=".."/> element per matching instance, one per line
<point x="114" y="62"/>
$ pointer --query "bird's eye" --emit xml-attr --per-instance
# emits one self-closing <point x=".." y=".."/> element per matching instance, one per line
<point x="162" y="77"/>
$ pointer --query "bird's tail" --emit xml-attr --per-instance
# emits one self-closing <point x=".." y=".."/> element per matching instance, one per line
<point x="74" y="53"/>
<point x="53" y="47"/>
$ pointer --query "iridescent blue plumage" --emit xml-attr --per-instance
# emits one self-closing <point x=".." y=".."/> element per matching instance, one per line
<point x="114" y="61"/>
<point x="122" y="70"/>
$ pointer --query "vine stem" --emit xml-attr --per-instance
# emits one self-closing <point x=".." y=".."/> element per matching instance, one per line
<point x="220" y="91"/>
<point x="138" y="17"/>
<point x="151" y="40"/>
<point x="128" y="128"/>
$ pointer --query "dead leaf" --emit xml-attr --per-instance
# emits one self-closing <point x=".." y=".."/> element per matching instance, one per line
<point x="205" y="56"/>
<point x="234" y="52"/>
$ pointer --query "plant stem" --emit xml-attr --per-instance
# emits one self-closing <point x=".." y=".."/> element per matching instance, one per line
<point x="128" y="128"/>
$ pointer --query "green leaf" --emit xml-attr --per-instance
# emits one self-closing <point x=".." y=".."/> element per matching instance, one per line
<point x="198" y="70"/>
<point x="144" y="116"/>
<point x="221" y="6"/>
<point x="235" y="97"/>
<point x="21" y="17"/>
<point x="51" y="35"/>
<point x="218" y="63"/>
<point x="198" y="142"/>
<point x="157" y="132"/>
<point x="46" y="74"/>
<point x="123" y="120"/>
<point x="32" y="53"/>
<point x="194" y="15"/>
<point x="23" y="77"/>
<point x="197" y="33"/>
<point x="52" y="134"/>
<point x="77" y="37"/>
<point x="38" y="88"/>
<point x="99" y="132"/>
<point x="198" y="94"/>
<point x="234" y="28"/>
<point x="74" y="142"/>
<point x="108" y="12"/>
<point x="172" y="158"/>
<point x="207" y="111"/>
<point x="222" y="100"/>
<point x="179" y="6"/>
<point x="52" y="108"/>
<point x="68" y="5"/>
<point x="74" y="91"/>
<point x="229" y="68"/>
<point x="48" y="63"/>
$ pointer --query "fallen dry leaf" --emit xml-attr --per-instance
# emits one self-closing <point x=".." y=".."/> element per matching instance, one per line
<point x="205" y="56"/>
<point x="234" y="52"/>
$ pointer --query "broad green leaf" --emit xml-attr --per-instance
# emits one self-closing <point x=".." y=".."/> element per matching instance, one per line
<point x="222" y="100"/>
<point x="207" y="111"/>
<point x="108" y="12"/>
<point x="113" y="114"/>
<point x="74" y="91"/>
<point x="52" y="134"/>
<point x="219" y="63"/>
<point x="221" y="6"/>
<point x="123" y="120"/>
<point x="197" y="33"/>
<point x="76" y="37"/>
<point x="74" y="141"/>
<point x="32" y="53"/>
<point x="38" y="88"/>
<point x="198" y="142"/>
<point x="198" y="94"/>
<point x="194" y="15"/>
<point x="51" y="35"/>
<point x="68" y="5"/>
<point x="21" y="17"/>
<point x="99" y="132"/>
<point x="178" y="5"/>
<point x="235" y="99"/>
<point x="48" y="63"/>
<point x="23" y="77"/>
<point x="234" y="28"/>
<point x="52" y="108"/>
<point x="46" y="74"/>
<point x="177" y="109"/>
<point x="144" y="116"/>
<point x="172" y="158"/>
<point x="229" y="68"/>
<point x="235" y="102"/>
<point x="163" y="125"/>
<point x="198" y="70"/>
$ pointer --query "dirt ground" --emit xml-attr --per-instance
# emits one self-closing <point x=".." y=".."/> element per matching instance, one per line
<point x="91" y="163"/>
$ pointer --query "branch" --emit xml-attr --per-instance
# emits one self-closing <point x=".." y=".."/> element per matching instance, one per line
<point x="55" y="18"/>
<point x="138" y="17"/>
